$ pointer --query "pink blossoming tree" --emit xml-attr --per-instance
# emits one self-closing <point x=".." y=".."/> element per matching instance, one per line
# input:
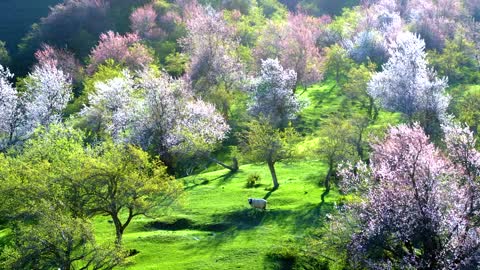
<point x="417" y="211"/>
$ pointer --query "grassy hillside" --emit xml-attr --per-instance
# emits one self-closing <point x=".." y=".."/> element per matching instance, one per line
<point x="213" y="227"/>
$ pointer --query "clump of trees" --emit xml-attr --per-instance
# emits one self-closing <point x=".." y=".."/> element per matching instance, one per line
<point x="155" y="112"/>
<point x="132" y="92"/>
<point x="65" y="184"/>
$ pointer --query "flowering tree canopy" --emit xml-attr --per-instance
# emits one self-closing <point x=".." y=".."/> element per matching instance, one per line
<point x="417" y="212"/>
<point x="10" y="114"/>
<point x="124" y="49"/>
<point x="272" y="94"/>
<point x="143" y="22"/>
<point x="59" y="58"/>
<point x="212" y="47"/>
<point x="407" y="85"/>
<point x="48" y="90"/>
<point x="294" y="44"/>
<point x="155" y="112"/>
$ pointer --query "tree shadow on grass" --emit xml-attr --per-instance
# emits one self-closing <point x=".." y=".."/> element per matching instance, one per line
<point x="320" y="96"/>
<point x="269" y="193"/>
<point x="226" y="177"/>
<point x="314" y="215"/>
<point x="244" y="221"/>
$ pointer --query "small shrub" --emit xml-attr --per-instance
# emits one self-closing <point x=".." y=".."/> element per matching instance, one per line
<point x="253" y="180"/>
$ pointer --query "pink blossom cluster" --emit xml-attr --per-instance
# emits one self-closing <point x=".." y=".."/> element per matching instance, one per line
<point x="143" y="21"/>
<point x="124" y="49"/>
<point x="295" y="45"/>
<point x="59" y="58"/>
<point x="417" y="212"/>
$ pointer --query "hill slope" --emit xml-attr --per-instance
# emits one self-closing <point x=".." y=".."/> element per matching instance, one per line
<point x="213" y="227"/>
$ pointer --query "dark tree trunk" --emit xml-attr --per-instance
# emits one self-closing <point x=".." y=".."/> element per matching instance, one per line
<point x="358" y="145"/>
<point x="327" y="181"/>
<point x="372" y="109"/>
<point x="118" y="229"/>
<point x="232" y="168"/>
<point x="271" y="166"/>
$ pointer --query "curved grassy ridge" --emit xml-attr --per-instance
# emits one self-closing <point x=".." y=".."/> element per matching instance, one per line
<point x="213" y="227"/>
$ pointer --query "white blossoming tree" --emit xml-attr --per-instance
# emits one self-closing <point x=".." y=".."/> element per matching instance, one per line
<point x="156" y="112"/>
<point x="48" y="91"/>
<point x="272" y="94"/>
<point x="408" y="86"/>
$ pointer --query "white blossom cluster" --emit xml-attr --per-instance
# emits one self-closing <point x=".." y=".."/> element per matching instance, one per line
<point x="406" y="84"/>
<point x="48" y="91"/>
<point x="156" y="112"/>
<point x="272" y="94"/>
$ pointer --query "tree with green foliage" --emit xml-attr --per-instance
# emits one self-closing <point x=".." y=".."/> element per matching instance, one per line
<point x="111" y="179"/>
<point x="264" y="143"/>
<point x="42" y="201"/>
<point x="457" y="61"/>
<point x="467" y="107"/>
<point x="337" y="63"/>
<point x="123" y="179"/>
<point x="175" y="64"/>
<point x="334" y="146"/>
<point x="355" y="88"/>
<point x="57" y="240"/>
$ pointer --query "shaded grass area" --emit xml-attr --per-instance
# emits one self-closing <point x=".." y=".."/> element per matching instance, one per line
<point x="325" y="101"/>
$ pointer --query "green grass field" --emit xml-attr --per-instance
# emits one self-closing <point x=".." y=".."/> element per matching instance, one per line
<point x="213" y="227"/>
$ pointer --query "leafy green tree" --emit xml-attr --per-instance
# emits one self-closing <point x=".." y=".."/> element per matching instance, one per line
<point x="43" y="199"/>
<point x="467" y="108"/>
<point x="263" y="143"/>
<point x="335" y="145"/>
<point x="57" y="240"/>
<point x="355" y="87"/>
<point x="123" y="179"/>
<point x="117" y="180"/>
<point x="457" y="61"/>
<point x="337" y="63"/>
<point x="175" y="64"/>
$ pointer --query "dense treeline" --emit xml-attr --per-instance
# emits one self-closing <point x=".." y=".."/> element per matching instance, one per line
<point x="109" y="101"/>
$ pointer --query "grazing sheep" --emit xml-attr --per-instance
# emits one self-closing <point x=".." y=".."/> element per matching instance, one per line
<point x="258" y="203"/>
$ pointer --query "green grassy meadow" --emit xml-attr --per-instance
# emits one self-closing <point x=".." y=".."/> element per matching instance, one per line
<point x="213" y="226"/>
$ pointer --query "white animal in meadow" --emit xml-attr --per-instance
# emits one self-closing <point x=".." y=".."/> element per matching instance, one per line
<point x="258" y="203"/>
